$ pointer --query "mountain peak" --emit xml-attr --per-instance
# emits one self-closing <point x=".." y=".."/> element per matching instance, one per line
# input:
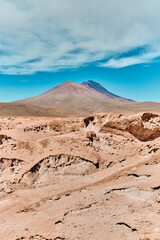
<point x="68" y="82"/>
<point x="98" y="87"/>
<point x="89" y="81"/>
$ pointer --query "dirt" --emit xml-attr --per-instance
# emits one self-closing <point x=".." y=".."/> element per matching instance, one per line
<point x="80" y="178"/>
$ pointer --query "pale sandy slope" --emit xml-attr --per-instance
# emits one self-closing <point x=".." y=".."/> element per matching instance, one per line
<point x="23" y="109"/>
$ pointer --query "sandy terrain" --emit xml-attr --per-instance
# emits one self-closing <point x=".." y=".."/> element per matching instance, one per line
<point x="80" y="178"/>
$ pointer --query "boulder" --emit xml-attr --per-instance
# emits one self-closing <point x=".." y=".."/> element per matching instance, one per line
<point x="91" y="135"/>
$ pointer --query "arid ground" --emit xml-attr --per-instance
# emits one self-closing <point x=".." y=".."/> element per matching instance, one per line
<point x="80" y="178"/>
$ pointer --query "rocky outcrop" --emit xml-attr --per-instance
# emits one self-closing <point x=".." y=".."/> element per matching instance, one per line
<point x="11" y="165"/>
<point x="3" y="137"/>
<point x="142" y="133"/>
<point x="65" y="125"/>
<point x="56" y="126"/>
<point x="145" y="127"/>
<point x="148" y="116"/>
<point x="37" y="128"/>
<point x="89" y="119"/>
<point x="91" y="135"/>
<point x="59" y="164"/>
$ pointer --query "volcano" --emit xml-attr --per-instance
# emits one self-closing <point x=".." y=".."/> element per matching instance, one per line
<point x="72" y="98"/>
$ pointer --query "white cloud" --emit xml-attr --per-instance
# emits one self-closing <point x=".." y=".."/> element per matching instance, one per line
<point x="145" y="57"/>
<point x="48" y="35"/>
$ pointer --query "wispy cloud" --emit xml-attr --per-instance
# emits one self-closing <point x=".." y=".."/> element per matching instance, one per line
<point x="146" y="57"/>
<point x="49" y="35"/>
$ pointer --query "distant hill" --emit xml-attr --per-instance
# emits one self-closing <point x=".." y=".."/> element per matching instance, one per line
<point x="18" y="109"/>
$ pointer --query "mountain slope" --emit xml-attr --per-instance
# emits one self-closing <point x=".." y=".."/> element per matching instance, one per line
<point x="71" y="98"/>
<point x="104" y="91"/>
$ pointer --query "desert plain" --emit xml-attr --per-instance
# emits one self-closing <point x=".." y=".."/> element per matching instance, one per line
<point x="71" y="178"/>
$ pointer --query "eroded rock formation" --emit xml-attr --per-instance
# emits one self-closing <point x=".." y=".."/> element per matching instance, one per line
<point x="144" y="127"/>
<point x="77" y="178"/>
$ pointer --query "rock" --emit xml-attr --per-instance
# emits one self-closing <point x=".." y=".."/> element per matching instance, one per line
<point x="143" y="134"/>
<point x="145" y="127"/>
<point x="88" y="120"/>
<point x="147" y="116"/>
<point x="3" y="137"/>
<point x="91" y="135"/>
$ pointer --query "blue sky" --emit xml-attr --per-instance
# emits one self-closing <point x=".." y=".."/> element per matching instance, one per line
<point x="45" y="42"/>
